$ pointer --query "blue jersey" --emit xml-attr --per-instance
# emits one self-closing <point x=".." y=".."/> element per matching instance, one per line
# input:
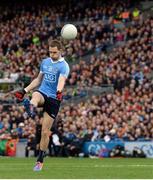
<point x="51" y="71"/>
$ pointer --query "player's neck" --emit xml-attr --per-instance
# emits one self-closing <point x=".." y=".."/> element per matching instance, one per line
<point x="57" y="60"/>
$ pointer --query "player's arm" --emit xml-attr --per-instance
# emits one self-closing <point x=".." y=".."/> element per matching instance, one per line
<point x="61" y="82"/>
<point x="35" y="83"/>
<point x="60" y="87"/>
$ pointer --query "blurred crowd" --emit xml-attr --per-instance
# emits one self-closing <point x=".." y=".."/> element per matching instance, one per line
<point x="126" y="114"/>
<point x="26" y="30"/>
<point x="124" y="63"/>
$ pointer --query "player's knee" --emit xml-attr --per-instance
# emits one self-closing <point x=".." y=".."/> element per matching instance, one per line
<point x="37" y="99"/>
<point x="34" y="102"/>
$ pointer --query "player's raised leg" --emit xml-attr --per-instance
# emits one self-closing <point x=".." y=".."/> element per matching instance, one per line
<point x="45" y="134"/>
<point x="37" y="99"/>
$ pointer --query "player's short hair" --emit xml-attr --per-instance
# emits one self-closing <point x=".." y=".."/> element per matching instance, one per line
<point x="56" y="43"/>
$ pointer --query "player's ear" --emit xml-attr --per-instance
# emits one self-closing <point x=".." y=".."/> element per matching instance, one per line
<point x="61" y="51"/>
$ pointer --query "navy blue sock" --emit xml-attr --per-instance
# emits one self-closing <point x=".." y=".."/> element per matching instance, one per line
<point x="41" y="156"/>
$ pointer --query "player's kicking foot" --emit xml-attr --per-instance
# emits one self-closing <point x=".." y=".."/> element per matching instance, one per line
<point x="30" y="109"/>
<point x="38" y="166"/>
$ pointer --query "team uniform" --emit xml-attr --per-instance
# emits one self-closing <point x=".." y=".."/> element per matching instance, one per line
<point x="51" y="72"/>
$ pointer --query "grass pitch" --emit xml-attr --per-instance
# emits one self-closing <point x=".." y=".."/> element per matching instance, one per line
<point x="77" y="168"/>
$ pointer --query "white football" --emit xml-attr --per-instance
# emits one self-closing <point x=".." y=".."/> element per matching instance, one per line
<point x="69" y="32"/>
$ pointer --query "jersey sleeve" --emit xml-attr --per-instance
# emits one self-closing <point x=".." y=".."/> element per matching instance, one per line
<point x="65" y="70"/>
<point x="41" y="67"/>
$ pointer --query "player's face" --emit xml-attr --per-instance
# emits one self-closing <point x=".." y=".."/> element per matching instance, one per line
<point x="54" y="53"/>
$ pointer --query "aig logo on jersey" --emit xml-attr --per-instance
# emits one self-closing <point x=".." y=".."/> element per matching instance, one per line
<point x="50" y="77"/>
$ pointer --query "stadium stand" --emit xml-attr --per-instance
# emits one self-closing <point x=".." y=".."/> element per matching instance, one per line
<point x="114" y="47"/>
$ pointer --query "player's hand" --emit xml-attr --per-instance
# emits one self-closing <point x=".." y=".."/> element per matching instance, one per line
<point x="59" y="95"/>
<point x="20" y="94"/>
